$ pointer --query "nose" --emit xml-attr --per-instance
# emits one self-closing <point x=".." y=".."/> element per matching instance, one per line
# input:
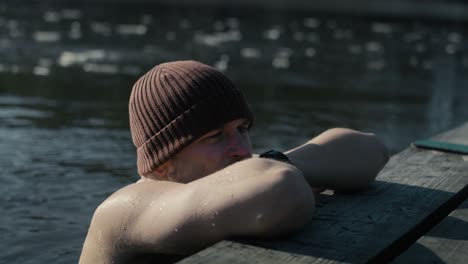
<point x="239" y="147"/>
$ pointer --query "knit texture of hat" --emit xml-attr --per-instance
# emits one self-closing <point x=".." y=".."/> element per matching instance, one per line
<point x="174" y="104"/>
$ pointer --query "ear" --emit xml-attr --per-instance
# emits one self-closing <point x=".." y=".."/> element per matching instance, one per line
<point x="162" y="170"/>
<point x="160" y="173"/>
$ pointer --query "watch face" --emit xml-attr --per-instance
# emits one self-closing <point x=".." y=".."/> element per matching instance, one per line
<point x="276" y="155"/>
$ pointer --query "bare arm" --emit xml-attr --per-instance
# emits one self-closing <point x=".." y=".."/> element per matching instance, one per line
<point x="253" y="197"/>
<point x="340" y="159"/>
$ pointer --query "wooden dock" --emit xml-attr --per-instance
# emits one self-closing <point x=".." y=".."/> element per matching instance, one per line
<point x="416" y="211"/>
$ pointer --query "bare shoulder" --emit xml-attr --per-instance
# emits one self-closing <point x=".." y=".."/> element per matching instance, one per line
<point x="136" y="191"/>
<point x="130" y="198"/>
<point x="110" y="230"/>
<point x="127" y="203"/>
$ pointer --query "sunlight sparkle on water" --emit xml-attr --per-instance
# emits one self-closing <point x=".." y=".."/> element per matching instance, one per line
<point x="75" y="30"/>
<point x="450" y="49"/>
<point x="51" y="17"/>
<point x="68" y="58"/>
<point x="382" y="28"/>
<point x="46" y="36"/>
<point x="455" y="37"/>
<point x="310" y="52"/>
<point x="272" y="34"/>
<point x="281" y="62"/>
<point x="146" y="19"/>
<point x="101" y="28"/>
<point x="250" y="53"/>
<point x="374" y="46"/>
<point x="41" y="71"/>
<point x="185" y="24"/>
<point x="311" y="22"/>
<point x="131" y="29"/>
<point x="223" y="63"/>
<point x="218" y="38"/>
<point x="14" y="31"/>
<point x="101" y="68"/>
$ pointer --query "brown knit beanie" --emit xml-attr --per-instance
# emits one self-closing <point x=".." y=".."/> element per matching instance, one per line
<point x="174" y="104"/>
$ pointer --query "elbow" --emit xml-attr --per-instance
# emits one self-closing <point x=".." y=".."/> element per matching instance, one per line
<point x="380" y="153"/>
<point x="296" y="187"/>
<point x="371" y="157"/>
<point x="378" y="156"/>
<point x="294" y="204"/>
<point x="372" y="149"/>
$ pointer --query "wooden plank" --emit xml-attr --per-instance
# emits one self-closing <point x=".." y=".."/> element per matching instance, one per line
<point x="415" y="190"/>
<point x="237" y="253"/>
<point x="447" y="242"/>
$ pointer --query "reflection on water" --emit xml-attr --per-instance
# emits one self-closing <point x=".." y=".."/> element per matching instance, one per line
<point x="66" y="74"/>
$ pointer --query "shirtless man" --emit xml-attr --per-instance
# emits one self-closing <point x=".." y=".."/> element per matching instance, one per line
<point x="200" y="182"/>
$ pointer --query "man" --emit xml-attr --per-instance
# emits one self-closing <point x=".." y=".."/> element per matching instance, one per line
<point x="199" y="181"/>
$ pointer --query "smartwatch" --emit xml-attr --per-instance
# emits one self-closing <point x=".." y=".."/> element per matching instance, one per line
<point x="275" y="155"/>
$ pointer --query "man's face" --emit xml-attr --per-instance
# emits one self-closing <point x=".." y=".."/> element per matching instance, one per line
<point x="213" y="151"/>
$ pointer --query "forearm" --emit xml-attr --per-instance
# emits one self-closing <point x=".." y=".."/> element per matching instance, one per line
<point x="340" y="159"/>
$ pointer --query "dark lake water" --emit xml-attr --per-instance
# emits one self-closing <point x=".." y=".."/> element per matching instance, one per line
<point x="66" y="74"/>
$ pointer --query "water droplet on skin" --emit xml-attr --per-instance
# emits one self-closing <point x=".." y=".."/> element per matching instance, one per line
<point x="160" y="208"/>
<point x="227" y="172"/>
<point x="175" y="230"/>
<point x="259" y="216"/>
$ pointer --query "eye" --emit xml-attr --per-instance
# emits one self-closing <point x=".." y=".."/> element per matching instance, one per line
<point x="243" y="129"/>
<point x="213" y="137"/>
